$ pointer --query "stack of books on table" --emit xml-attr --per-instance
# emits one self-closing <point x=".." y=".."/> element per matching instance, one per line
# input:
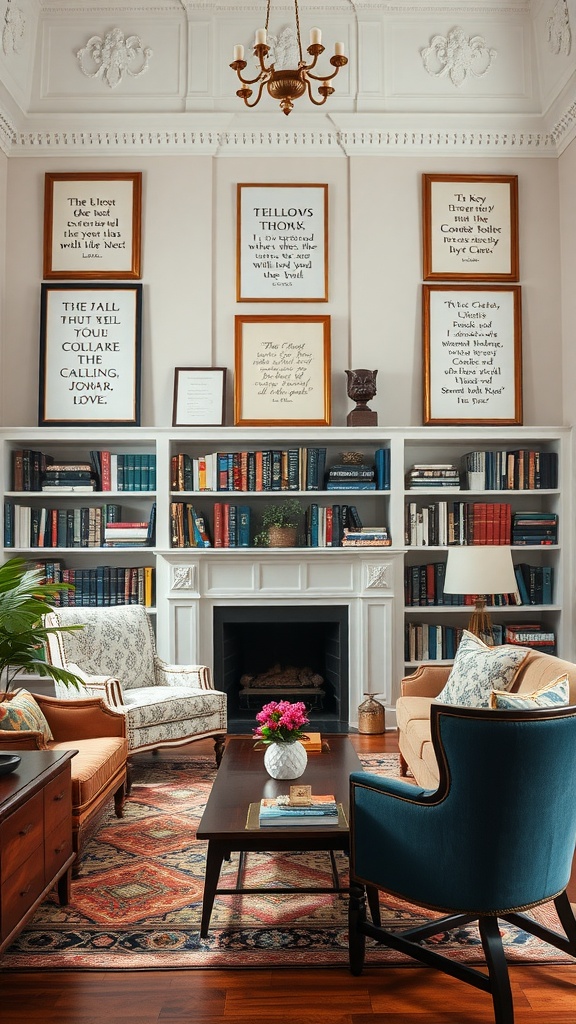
<point x="322" y="810"/>
<point x="62" y="477"/>
<point x="351" y="477"/>
<point x="441" y="474"/>
<point x="375" y="536"/>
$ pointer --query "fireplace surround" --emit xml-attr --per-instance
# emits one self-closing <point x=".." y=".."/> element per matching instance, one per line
<point x="345" y="597"/>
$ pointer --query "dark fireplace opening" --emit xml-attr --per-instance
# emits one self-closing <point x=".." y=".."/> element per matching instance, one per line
<point x="283" y="653"/>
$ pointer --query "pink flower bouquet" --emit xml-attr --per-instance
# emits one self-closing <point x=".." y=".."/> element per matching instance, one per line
<point x="281" y="722"/>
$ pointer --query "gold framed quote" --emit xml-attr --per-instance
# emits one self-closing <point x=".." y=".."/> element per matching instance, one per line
<point x="470" y="227"/>
<point x="92" y="225"/>
<point x="472" y="342"/>
<point x="282" y="371"/>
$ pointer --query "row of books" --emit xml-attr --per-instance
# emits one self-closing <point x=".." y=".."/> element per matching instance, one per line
<point x="457" y="522"/>
<point x="33" y="470"/>
<point x="83" y="527"/>
<point x="325" y="526"/>
<point x="430" y="642"/>
<point x="522" y="469"/>
<point x="424" y="586"/>
<point x="134" y="471"/>
<point x="292" y="469"/>
<point x="187" y="526"/>
<point x="102" y="585"/>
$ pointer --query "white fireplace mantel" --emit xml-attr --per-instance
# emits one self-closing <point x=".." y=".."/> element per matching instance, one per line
<point x="365" y="580"/>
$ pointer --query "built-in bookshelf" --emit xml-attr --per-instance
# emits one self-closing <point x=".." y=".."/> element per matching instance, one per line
<point x="506" y="477"/>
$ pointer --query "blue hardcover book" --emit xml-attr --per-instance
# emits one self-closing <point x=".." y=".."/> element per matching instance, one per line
<point x="145" y="472"/>
<point x="314" y="521"/>
<point x="137" y="473"/>
<point x="312" y="477"/>
<point x="8" y="524"/>
<point x="120" y="485"/>
<point x="243" y="526"/>
<point x="547" y="584"/>
<point x="293" y="469"/>
<point x="382" y="462"/>
<point x="321" y="466"/>
<point x="128" y="473"/>
<point x="151" y="535"/>
<point x="276" y="484"/>
<point x="350" y="485"/>
<point x="521" y="583"/>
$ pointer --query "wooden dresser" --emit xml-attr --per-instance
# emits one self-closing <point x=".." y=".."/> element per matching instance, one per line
<point x="35" y="836"/>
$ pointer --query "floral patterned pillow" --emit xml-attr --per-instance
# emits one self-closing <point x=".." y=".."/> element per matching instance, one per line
<point x="551" y="695"/>
<point x="23" y="714"/>
<point x="479" y="669"/>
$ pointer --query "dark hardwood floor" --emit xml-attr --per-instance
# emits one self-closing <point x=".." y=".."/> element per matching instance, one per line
<point x="409" y="995"/>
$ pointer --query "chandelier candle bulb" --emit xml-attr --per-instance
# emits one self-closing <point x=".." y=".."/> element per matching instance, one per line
<point x="339" y="49"/>
<point x="238" y="52"/>
<point x="315" y="36"/>
<point x="260" y="38"/>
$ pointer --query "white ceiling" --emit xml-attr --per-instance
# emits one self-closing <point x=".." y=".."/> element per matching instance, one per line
<point x="509" y="83"/>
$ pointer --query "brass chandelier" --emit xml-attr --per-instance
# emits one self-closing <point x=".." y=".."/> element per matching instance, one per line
<point x="287" y="85"/>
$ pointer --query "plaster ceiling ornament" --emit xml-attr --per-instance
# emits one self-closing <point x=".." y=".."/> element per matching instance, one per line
<point x="111" y="57"/>
<point x="558" y="24"/>
<point x="457" y="56"/>
<point x="13" y="30"/>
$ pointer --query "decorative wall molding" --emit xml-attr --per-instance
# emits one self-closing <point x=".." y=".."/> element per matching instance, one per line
<point x="112" y="57"/>
<point x="183" y="577"/>
<point x="13" y="29"/>
<point x="558" y="25"/>
<point x="324" y="142"/>
<point x="458" y="56"/>
<point x="377" y="577"/>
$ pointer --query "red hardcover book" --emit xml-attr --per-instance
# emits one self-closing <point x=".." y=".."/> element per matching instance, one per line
<point x="218" y="525"/>
<point x="329" y="526"/>
<point x="174" y="473"/>
<point x="225" y="525"/>
<point x="127" y="526"/>
<point x="105" y="471"/>
<point x="258" y="465"/>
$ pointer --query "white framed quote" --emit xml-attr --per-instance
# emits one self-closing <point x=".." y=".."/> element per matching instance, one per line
<point x="282" y="243"/>
<point x="472" y="348"/>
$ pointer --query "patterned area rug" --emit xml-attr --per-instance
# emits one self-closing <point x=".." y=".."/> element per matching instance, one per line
<point x="137" y="901"/>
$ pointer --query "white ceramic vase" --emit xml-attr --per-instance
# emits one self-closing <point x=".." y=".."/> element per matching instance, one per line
<point x="285" y="760"/>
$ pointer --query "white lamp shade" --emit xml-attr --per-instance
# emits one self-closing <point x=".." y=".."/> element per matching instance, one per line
<point x="480" y="569"/>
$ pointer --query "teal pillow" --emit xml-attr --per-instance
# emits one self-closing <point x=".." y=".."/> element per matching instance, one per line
<point x="23" y="714"/>
<point x="551" y="695"/>
<point x="479" y="669"/>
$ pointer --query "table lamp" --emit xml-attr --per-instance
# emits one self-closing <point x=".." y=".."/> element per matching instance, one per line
<point x="479" y="570"/>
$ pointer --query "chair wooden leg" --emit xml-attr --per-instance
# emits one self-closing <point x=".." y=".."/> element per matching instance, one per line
<point x="356" y="938"/>
<point x="119" y="801"/>
<point x="403" y="765"/>
<point x="497" y="969"/>
<point x="128" y="784"/>
<point x="219" y="744"/>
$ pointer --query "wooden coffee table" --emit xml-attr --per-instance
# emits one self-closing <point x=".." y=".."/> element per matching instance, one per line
<point x="242" y="780"/>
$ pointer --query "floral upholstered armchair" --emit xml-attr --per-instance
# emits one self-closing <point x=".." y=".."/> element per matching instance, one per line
<point x="115" y="656"/>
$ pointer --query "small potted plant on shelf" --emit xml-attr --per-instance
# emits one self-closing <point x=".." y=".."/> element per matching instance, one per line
<point x="24" y="599"/>
<point x="280" y="524"/>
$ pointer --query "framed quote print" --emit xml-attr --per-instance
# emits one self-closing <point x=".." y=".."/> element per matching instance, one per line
<point x="470" y="227"/>
<point x="92" y="226"/>
<point x="282" y="371"/>
<point x="282" y="243"/>
<point x="90" y="343"/>
<point x="472" y="340"/>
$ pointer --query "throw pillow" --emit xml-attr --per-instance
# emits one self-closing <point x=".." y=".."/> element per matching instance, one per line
<point x="23" y="714"/>
<point x="479" y="669"/>
<point x="552" y="695"/>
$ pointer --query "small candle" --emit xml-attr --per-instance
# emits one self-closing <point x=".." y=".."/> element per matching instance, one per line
<point x="315" y="36"/>
<point x="260" y="38"/>
<point x="339" y="49"/>
<point x="238" y="52"/>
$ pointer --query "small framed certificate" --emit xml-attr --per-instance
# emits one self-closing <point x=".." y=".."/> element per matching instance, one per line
<point x="199" y="393"/>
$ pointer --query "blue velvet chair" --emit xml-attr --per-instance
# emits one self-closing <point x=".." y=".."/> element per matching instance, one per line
<point x="494" y="839"/>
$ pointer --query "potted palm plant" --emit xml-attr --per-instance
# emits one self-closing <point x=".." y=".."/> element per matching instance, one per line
<point x="280" y="524"/>
<point x="24" y="599"/>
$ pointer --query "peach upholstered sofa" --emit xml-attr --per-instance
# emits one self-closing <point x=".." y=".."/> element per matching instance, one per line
<point x="418" y="691"/>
